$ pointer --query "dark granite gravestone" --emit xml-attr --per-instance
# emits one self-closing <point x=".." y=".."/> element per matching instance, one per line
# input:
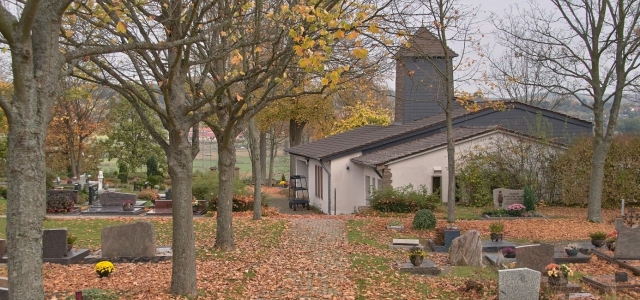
<point x="3" y="247"/>
<point x="4" y="285"/>
<point x="129" y="240"/>
<point x="167" y="194"/>
<point x="628" y="241"/>
<point x="535" y="257"/>
<point x="54" y="243"/>
<point x="449" y="235"/>
<point x="115" y="199"/>
<point x="93" y="194"/>
<point x="72" y="194"/>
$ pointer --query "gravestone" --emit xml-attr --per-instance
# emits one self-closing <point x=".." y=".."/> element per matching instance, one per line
<point x="115" y="199"/>
<point x="129" y="240"/>
<point x="93" y="194"/>
<point x="535" y="257"/>
<point x="54" y="243"/>
<point x="628" y="241"/>
<point x="4" y="285"/>
<point x="72" y="194"/>
<point x="519" y="284"/>
<point x="466" y="250"/>
<point x="167" y="194"/>
<point x="508" y="197"/>
<point x="3" y="247"/>
<point x="405" y="244"/>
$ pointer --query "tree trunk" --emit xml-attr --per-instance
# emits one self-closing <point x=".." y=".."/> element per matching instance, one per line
<point x="25" y="205"/>
<point x="451" y="167"/>
<point x="272" y="155"/>
<point x="226" y="164"/>
<point x="263" y="155"/>
<point x="295" y="139"/>
<point x="600" y="148"/>
<point x="256" y="169"/>
<point x="180" y="163"/>
<point x="72" y="158"/>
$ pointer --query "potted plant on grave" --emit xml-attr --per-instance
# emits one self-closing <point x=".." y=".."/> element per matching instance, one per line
<point x="509" y="252"/>
<point x="416" y="255"/>
<point x="496" y="231"/>
<point x="127" y="205"/>
<point x="598" y="238"/>
<point x="571" y="249"/>
<point x="611" y="240"/>
<point x="71" y="239"/>
<point x="558" y="274"/>
<point x="104" y="268"/>
<point x="516" y="209"/>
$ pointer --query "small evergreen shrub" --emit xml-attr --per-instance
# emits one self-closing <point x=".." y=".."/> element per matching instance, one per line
<point x="529" y="199"/>
<point x="499" y="212"/>
<point x="424" y="219"/>
<point x="155" y="180"/>
<point x="95" y="294"/>
<point x="59" y="202"/>
<point x="3" y="192"/>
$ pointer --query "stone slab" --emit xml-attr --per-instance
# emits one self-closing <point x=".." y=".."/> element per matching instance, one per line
<point x="163" y="204"/>
<point x="396" y="227"/>
<point x="163" y="253"/>
<point x="4" y="282"/>
<point x="54" y="243"/>
<point x="75" y="256"/>
<point x="561" y="257"/>
<point x="628" y="241"/>
<point x="582" y="296"/>
<point x="449" y="235"/>
<point x="519" y="284"/>
<point x="4" y="294"/>
<point x="3" y="247"/>
<point x="115" y="199"/>
<point x="405" y="242"/>
<point x="598" y="282"/>
<point x="129" y="240"/>
<point x="490" y="246"/>
<point x="435" y="248"/>
<point x="508" y="197"/>
<point x="407" y="247"/>
<point x="535" y="257"/>
<point x="428" y="267"/>
<point x="112" y="210"/>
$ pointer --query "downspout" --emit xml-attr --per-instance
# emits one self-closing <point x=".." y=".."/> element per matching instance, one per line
<point x="324" y="167"/>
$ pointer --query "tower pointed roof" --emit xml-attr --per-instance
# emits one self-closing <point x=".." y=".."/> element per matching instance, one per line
<point x="424" y="44"/>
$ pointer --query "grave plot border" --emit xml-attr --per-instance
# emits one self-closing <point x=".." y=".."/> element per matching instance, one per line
<point x="606" y="288"/>
<point x="619" y="262"/>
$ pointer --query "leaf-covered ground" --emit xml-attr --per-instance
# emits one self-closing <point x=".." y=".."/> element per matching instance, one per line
<point x="321" y="257"/>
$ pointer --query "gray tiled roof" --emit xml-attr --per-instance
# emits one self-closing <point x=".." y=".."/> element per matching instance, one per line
<point x="362" y="136"/>
<point x="424" y="44"/>
<point x="419" y="145"/>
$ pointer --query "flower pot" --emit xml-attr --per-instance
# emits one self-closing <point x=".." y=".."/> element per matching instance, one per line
<point x="561" y="280"/>
<point x="598" y="243"/>
<point x="416" y="260"/>
<point x="69" y="247"/>
<point x="103" y="274"/>
<point x="496" y="237"/>
<point x="571" y="251"/>
<point x="611" y="245"/>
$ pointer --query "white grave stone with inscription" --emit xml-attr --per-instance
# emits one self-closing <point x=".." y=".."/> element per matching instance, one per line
<point x="508" y="197"/>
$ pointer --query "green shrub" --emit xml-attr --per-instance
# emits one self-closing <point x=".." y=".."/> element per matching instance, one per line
<point x="424" y="219"/>
<point x="95" y="294"/>
<point x="529" y="199"/>
<point x="499" y="212"/>
<point x="403" y="199"/>
<point x="205" y="186"/>
<point x="155" y="179"/>
<point x="3" y="192"/>
<point x="83" y="198"/>
<point x="59" y="202"/>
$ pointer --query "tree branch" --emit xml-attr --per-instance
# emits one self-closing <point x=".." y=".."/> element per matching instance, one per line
<point x="96" y="50"/>
<point x="6" y="19"/>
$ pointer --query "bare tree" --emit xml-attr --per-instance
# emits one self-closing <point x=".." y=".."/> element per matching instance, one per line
<point x="592" y="45"/>
<point x="514" y="77"/>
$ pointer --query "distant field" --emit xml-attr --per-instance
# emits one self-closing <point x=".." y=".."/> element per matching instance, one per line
<point x="208" y="157"/>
